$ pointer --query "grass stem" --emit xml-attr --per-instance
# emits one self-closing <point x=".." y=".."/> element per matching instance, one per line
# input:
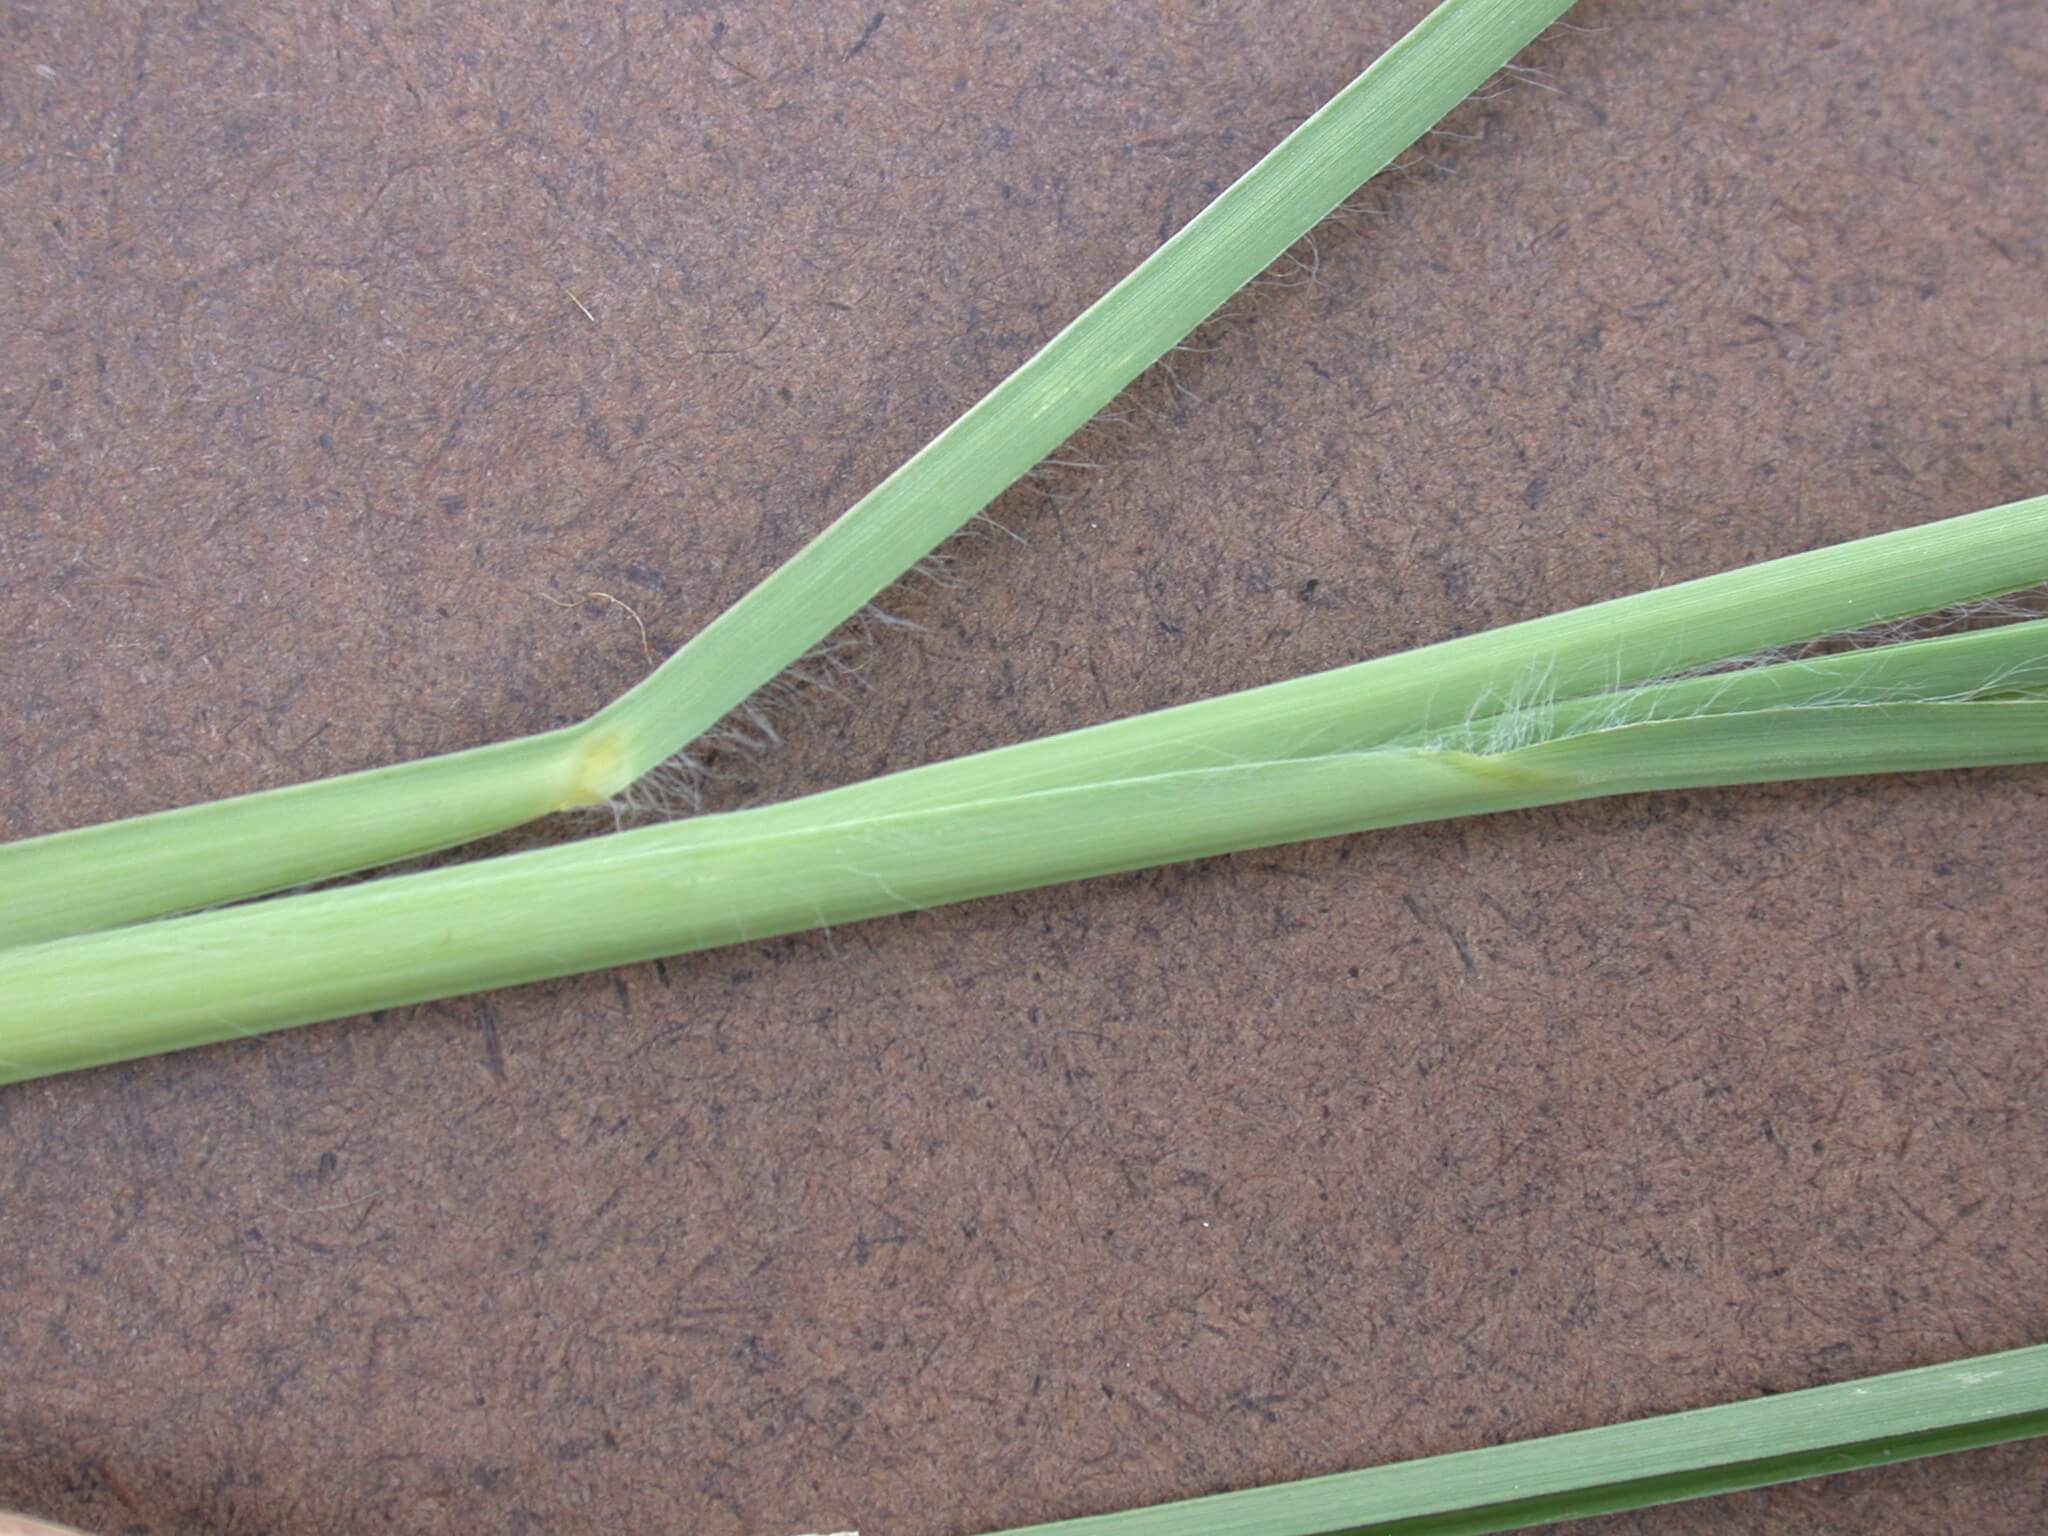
<point x="1557" y="709"/>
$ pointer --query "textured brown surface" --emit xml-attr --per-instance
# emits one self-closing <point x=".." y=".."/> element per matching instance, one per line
<point x="344" y="346"/>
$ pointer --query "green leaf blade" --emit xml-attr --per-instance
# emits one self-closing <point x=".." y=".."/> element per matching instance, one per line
<point x="1880" y="1420"/>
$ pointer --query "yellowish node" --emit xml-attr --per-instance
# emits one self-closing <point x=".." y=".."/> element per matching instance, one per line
<point x="598" y="771"/>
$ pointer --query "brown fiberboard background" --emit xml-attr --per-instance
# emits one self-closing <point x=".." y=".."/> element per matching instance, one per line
<point x="348" y="349"/>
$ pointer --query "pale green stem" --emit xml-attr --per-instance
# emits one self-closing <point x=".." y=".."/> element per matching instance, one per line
<point x="122" y="871"/>
<point x="751" y="875"/>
